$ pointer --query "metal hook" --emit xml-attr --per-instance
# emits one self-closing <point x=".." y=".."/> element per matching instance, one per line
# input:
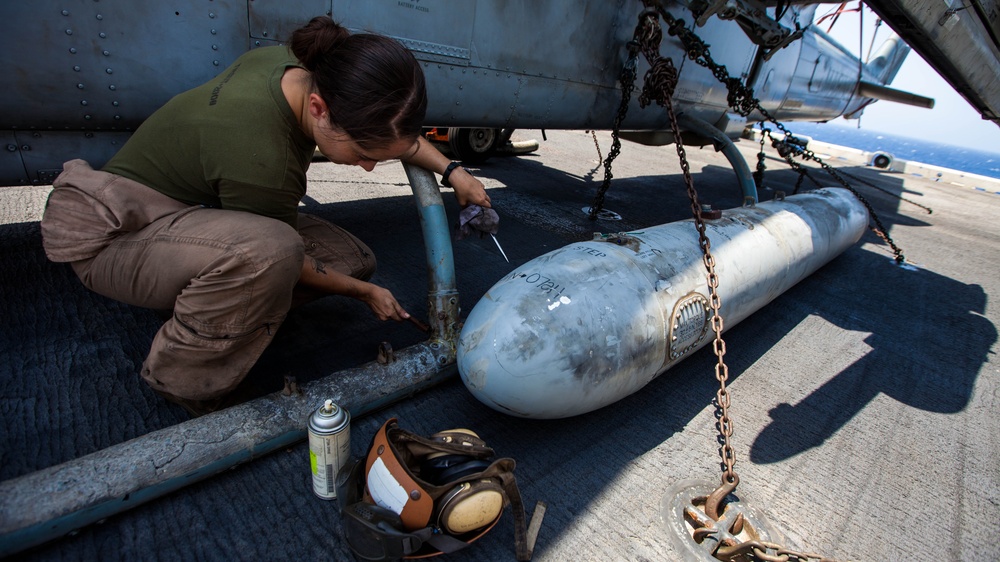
<point x="716" y="497"/>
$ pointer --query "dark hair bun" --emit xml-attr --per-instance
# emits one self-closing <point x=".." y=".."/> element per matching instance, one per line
<point x="312" y="42"/>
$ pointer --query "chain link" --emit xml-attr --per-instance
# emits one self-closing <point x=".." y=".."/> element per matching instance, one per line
<point x="597" y="145"/>
<point x="741" y="99"/>
<point x="627" y="81"/>
<point x="659" y="84"/>
<point x="887" y="192"/>
<point x="766" y="551"/>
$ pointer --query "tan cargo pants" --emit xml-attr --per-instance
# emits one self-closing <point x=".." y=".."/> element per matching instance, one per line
<point x="229" y="276"/>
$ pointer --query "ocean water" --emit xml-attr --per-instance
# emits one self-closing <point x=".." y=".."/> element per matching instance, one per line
<point x="968" y="160"/>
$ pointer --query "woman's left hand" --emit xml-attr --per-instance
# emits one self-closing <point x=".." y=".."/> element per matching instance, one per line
<point x="468" y="189"/>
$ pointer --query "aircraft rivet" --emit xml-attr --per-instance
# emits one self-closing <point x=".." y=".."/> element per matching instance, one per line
<point x="211" y="14"/>
<point x="108" y="70"/>
<point x="215" y="47"/>
<point x="118" y="117"/>
<point x="69" y="32"/>
<point x="11" y="148"/>
<point x="72" y="50"/>
<point x="76" y="68"/>
<point x="89" y="135"/>
<point x="100" y="17"/>
<point x="215" y="62"/>
<point x="106" y="53"/>
<point x="25" y="147"/>
<point x="83" y="102"/>
<point x="102" y="35"/>
<point x="86" y="117"/>
<point x="114" y="103"/>
<point x="214" y="32"/>
<point x="79" y="86"/>
<point x="65" y="12"/>
<point x="112" y="87"/>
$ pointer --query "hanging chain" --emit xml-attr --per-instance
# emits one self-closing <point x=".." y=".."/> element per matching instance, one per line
<point x="758" y="175"/>
<point x="597" y="145"/>
<point x="887" y="192"/>
<point x="741" y="99"/>
<point x="659" y="84"/>
<point x="627" y="80"/>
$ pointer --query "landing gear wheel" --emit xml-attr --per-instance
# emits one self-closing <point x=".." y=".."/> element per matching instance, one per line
<point x="473" y="146"/>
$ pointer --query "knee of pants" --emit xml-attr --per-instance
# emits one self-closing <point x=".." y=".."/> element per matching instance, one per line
<point x="248" y="283"/>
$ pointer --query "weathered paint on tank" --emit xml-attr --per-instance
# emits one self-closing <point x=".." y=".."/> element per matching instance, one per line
<point x="586" y="325"/>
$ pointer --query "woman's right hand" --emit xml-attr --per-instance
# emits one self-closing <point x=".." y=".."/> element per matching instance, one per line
<point x="383" y="303"/>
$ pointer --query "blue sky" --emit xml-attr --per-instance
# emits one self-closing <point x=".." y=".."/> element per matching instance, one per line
<point x="951" y="121"/>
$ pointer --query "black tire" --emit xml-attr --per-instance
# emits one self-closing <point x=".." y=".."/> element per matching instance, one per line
<point x="473" y="146"/>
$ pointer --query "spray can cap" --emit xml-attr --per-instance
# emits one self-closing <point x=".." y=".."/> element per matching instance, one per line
<point x="329" y="416"/>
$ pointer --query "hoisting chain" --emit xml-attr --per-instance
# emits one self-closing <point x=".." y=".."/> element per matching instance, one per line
<point x="887" y="192"/>
<point x="627" y="81"/>
<point x="742" y="100"/>
<point x="659" y="84"/>
<point x="758" y="175"/>
<point x="597" y="145"/>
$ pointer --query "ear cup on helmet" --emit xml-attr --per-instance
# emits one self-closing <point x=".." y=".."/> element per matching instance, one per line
<point x="470" y="506"/>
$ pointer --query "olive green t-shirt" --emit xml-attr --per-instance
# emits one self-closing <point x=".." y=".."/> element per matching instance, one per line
<point x="232" y="143"/>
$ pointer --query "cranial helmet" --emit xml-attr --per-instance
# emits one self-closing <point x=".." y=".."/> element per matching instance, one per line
<point x="414" y="497"/>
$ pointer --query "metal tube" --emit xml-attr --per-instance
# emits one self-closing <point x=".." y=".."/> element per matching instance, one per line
<point x="725" y="145"/>
<point x="51" y="502"/>
<point x="879" y="92"/>
<point x="442" y="289"/>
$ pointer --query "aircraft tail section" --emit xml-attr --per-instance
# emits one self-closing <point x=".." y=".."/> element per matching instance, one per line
<point x="887" y="61"/>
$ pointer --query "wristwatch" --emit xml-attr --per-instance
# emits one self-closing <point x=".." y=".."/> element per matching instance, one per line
<point x="447" y="172"/>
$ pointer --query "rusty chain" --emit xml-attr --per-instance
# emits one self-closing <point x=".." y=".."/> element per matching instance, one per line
<point x="766" y="551"/>
<point x="659" y="84"/>
<point x="741" y="98"/>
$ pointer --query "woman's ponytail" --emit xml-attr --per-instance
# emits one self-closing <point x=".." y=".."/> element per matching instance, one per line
<point x="315" y="40"/>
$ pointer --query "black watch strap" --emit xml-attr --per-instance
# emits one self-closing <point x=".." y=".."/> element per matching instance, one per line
<point x="447" y="172"/>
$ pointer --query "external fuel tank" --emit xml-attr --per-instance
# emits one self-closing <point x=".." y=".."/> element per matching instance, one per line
<point x="593" y="322"/>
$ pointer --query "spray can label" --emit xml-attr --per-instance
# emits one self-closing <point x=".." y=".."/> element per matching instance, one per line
<point x="329" y="447"/>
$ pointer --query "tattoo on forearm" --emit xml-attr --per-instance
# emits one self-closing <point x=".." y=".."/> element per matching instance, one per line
<point x="318" y="266"/>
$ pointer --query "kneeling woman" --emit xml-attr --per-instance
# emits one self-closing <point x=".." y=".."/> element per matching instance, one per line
<point x="198" y="212"/>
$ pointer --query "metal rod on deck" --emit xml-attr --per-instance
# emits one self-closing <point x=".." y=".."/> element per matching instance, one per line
<point x="51" y="502"/>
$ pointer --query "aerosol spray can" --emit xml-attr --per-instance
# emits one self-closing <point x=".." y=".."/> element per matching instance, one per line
<point x="329" y="447"/>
